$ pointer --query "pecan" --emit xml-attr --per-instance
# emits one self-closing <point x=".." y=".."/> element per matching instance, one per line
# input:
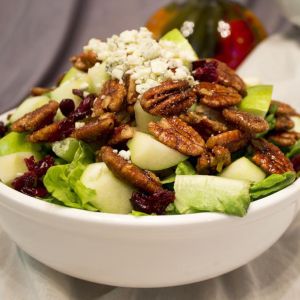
<point x="270" y="158"/>
<point x="132" y="94"/>
<point x="213" y="160"/>
<point x="53" y="132"/>
<point x="284" y="123"/>
<point x="282" y="108"/>
<point x="168" y="99"/>
<point x="111" y="98"/>
<point x="212" y="70"/>
<point x="203" y="124"/>
<point x="84" y="60"/>
<point x="245" y="121"/>
<point x="233" y="140"/>
<point x="95" y="129"/>
<point x="37" y="118"/>
<point x="284" y="139"/>
<point x="121" y="134"/>
<point x="217" y="96"/>
<point x="176" y="134"/>
<point x="142" y="179"/>
<point x="38" y="91"/>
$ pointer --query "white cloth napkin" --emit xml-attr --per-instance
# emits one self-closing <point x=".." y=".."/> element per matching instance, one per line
<point x="274" y="275"/>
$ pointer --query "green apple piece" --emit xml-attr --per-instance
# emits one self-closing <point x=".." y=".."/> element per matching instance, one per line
<point x="66" y="148"/>
<point x="73" y="73"/>
<point x="143" y="118"/>
<point x="258" y="100"/>
<point x="176" y="37"/>
<point x="17" y="142"/>
<point x="12" y="166"/>
<point x="296" y="121"/>
<point x="64" y="91"/>
<point x="112" y="194"/>
<point x="98" y="76"/>
<point x="150" y="154"/>
<point x="244" y="169"/>
<point x="28" y="105"/>
<point x="205" y="193"/>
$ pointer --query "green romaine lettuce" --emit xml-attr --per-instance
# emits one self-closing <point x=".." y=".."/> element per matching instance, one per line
<point x="63" y="181"/>
<point x="271" y="184"/>
<point x="185" y="168"/>
<point x="294" y="150"/>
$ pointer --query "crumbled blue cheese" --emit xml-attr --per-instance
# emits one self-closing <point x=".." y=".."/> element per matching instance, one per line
<point x="125" y="154"/>
<point x="187" y="28"/>
<point x="148" y="61"/>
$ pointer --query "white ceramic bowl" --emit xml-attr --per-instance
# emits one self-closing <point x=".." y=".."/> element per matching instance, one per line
<point x="152" y="251"/>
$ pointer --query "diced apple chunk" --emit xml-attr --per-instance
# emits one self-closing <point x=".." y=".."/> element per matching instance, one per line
<point x="150" y="154"/>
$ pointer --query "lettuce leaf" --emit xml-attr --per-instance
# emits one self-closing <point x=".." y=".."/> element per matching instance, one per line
<point x="294" y="150"/>
<point x="271" y="184"/>
<point x="185" y="168"/>
<point x="63" y="181"/>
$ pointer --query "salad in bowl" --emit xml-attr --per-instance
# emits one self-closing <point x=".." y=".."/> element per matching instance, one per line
<point x="145" y="127"/>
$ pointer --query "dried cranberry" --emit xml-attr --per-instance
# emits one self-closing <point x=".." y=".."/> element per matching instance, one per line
<point x="67" y="106"/>
<point x="205" y="70"/>
<point x="78" y="93"/>
<point x="296" y="162"/>
<point x="27" y="180"/>
<point x="30" y="183"/>
<point x="3" y="129"/>
<point x="152" y="204"/>
<point x="84" y="109"/>
<point x="41" y="167"/>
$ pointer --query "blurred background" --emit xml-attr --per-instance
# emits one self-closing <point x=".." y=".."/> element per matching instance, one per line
<point x="37" y="37"/>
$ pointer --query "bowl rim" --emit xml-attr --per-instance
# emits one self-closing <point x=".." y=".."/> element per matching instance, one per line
<point x="17" y="201"/>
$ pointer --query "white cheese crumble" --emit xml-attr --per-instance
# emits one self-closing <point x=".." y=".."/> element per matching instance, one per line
<point x="148" y="61"/>
<point x="79" y="125"/>
<point x="125" y="154"/>
<point x="187" y="28"/>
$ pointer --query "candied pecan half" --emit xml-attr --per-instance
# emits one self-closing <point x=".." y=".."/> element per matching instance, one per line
<point x="284" y="139"/>
<point x="121" y="134"/>
<point x="53" y="132"/>
<point x="270" y="158"/>
<point x="168" y="99"/>
<point x="245" y="121"/>
<point x="95" y="129"/>
<point x="111" y="98"/>
<point x="213" y="160"/>
<point x="212" y="70"/>
<point x="38" y="91"/>
<point x="37" y="118"/>
<point x="233" y="140"/>
<point x="284" y="123"/>
<point x="176" y="134"/>
<point x="203" y="124"/>
<point x="217" y="96"/>
<point x="84" y="60"/>
<point x="130" y="86"/>
<point x="283" y="108"/>
<point x="142" y="179"/>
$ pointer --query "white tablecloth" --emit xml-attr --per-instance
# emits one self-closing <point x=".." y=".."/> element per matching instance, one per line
<point x="274" y="275"/>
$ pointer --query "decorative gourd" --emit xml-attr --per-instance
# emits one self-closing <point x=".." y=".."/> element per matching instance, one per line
<point x="223" y="29"/>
